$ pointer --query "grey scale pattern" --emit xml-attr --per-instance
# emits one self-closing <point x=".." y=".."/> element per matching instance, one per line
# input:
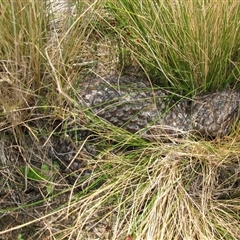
<point x="133" y="104"/>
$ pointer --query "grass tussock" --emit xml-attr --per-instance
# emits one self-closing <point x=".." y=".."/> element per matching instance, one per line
<point x="187" y="45"/>
<point x="179" y="189"/>
<point x="188" y="191"/>
<point x="22" y="63"/>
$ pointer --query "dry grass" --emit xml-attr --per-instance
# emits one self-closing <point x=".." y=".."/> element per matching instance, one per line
<point x="184" y="189"/>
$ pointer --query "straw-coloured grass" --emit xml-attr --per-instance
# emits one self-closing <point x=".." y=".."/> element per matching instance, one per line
<point x="184" y="188"/>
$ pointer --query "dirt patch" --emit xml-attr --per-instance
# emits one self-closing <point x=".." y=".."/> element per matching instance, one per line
<point x="39" y="197"/>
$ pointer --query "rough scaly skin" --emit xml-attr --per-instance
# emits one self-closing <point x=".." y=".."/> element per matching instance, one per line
<point x="213" y="114"/>
<point x="132" y="103"/>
